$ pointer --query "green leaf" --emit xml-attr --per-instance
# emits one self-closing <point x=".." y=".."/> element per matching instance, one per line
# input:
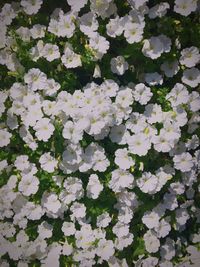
<point x="140" y="248"/>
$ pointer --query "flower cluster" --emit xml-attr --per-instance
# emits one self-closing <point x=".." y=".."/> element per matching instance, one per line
<point x="99" y="133"/>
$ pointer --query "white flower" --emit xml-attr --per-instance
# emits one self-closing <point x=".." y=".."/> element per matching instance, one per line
<point x="24" y="33"/>
<point x="177" y="188"/>
<point x="33" y="115"/>
<point x="178" y="116"/>
<point x="50" y="52"/>
<point x="27" y="137"/>
<point x="53" y="255"/>
<point x="115" y="262"/>
<point x="72" y="190"/>
<point x="5" y="137"/>
<point x="48" y="163"/>
<point x="193" y="143"/>
<point x="44" y="129"/>
<point x="151" y="219"/>
<point x="28" y="185"/>
<point x="170" y="201"/>
<point x="120" y="180"/>
<point x="3" y="165"/>
<point x="148" y="183"/>
<point x="171" y="132"/>
<point x="78" y="210"/>
<point x="99" y="44"/>
<point x="152" y="243"/>
<point x="142" y="93"/>
<point x="183" y="162"/>
<point x="3" y="97"/>
<point x="50" y="202"/>
<point x="139" y="144"/>
<point x="72" y="132"/>
<point x="38" y="31"/>
<point x="97" y="71"/>
<point x="150" y="261"/>
<point x="166" y="41"/>
<point x="54" y="26"/>
<point x="167" y="251"/>
<point x="71" y="59"/>
<point x="68" y="228"/>
<point x="88" y="24"/>
<point x="153" y="47"/>
<point x="32" y="100"/>
<point x="33" y="211"/>
<point x="76" y="6"/>
<point x="45" y="230"/>
<point x="85" y="237"/>
<point x="119" y="65"/>
<point x="194" y="101"/>
<point x="94" y="187"/>
<point x="94" y="157"/>
<point x="190" y="56"/>
<point x="118" y="134"/>
<point x="162" y="143"/>
<point x="163" y="228"/>
<point x="8" y="13"/>
<point x="133" y="32"/>
<point x="11" y="121"/>
<point x="115" y="27"/>
<point x="67" y="249"/>
<point x="123" y="242"/>
<point x="178" y="95"/>
<point x="185" y="7"/>
<point x="110" y="88"/>
<point x="137" y="3"/>
<point x="154" y="113"/>
<point x="17" y="91"/>
<point x="158" y="10"/>
<point x="191" y="77"/>
<point x="153" y="78"/>
<point x="136" y="123"/>
<point x="99" y="6"/>
<point x="50" y="108"/>
<point x="194" y="254"/>
<point x="22" y="163"/>
<point x="31" y="6"/>
<point x="105" y="249"/>
<point x="71" y="155"/>
<point x="51" y="87"/>
<point x="124" y="97"/>
<point x="96" y="124"/>
<point x="123" y="160"/>
<point x="35" y="51"/>
<point x="120" y="229"/>
<point x="20" y="264"/>
<point x="103" y="220"/>
<point x="66" y="26"/>
<point x="163" y="176"/>
<point x="35" y="79"/>
<point x="100" y="161"/>
<point x="170" y="68"/>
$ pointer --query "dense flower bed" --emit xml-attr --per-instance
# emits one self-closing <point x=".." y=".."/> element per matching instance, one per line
<point x="99" y="133"/>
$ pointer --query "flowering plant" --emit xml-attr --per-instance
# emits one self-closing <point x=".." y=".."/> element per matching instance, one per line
<point x="99" y="133"/>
